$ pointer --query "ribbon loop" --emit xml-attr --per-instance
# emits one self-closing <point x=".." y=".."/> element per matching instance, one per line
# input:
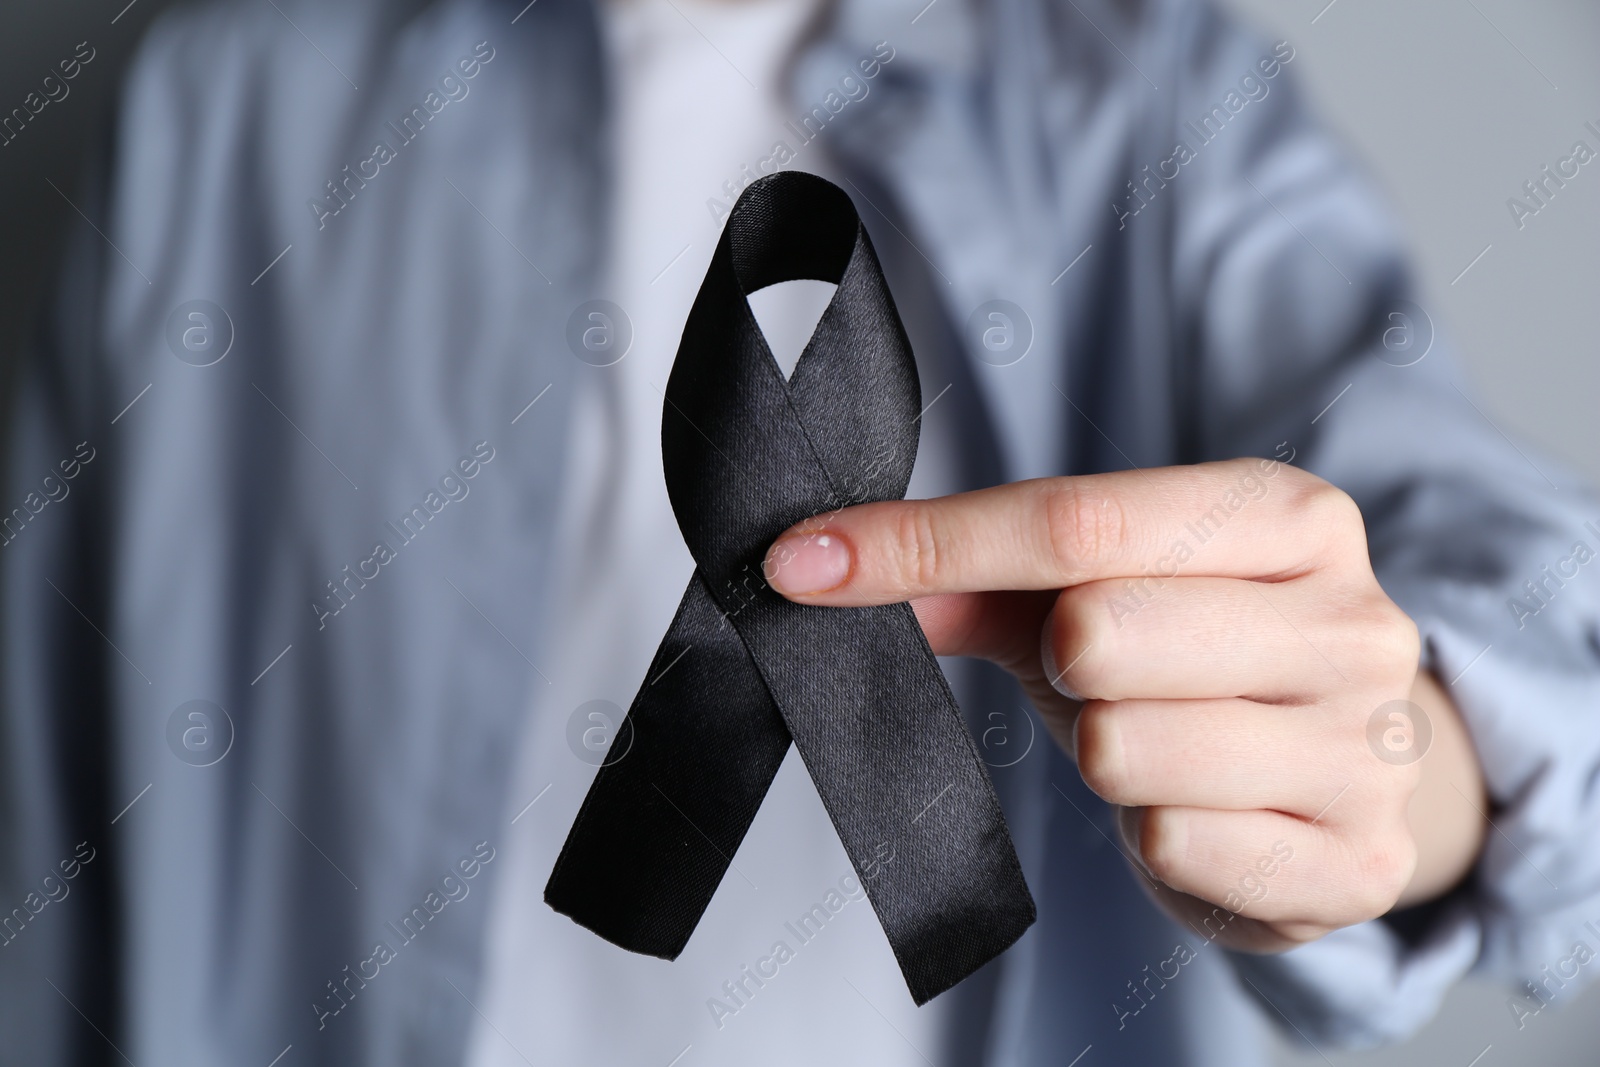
<point x="742" y="671"/>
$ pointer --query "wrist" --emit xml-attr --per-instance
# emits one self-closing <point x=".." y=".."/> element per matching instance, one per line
<point x="1448" y="813"/>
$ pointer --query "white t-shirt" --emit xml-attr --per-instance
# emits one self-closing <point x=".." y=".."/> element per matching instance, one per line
<point x="686" y="121"/>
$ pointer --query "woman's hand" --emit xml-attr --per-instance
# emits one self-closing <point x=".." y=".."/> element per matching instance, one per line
<point x="1210" y="644"/>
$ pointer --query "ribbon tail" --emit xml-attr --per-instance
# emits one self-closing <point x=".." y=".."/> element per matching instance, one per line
<point x="662" y="821"/>
<point x="899" y="775"/>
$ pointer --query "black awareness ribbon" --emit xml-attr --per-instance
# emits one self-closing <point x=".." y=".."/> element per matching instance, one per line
<point x="742" y="671"/>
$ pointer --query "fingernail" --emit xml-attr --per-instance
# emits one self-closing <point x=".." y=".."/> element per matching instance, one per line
<point x="1130" y="823"/>
<point x="1054" y="673"/>
<point x="809" y="563"/>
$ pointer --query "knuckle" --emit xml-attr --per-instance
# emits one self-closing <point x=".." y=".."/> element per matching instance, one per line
<point x="1404" y="781"/>
<point x="1333" y="513"/>
<point x="1384" y="869"/>
<point x="921" y="562"/>
<point x="1083" y="525"/>
<point x="1301" y="482"/>
<point x="1403" y="636"/>
<point x="1385" y="640"/>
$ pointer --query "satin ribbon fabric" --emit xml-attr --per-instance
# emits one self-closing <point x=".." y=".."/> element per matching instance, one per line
<point x="742" y="671"/>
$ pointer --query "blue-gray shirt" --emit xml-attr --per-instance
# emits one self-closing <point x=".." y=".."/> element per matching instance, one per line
<point x="1202" y="273"/>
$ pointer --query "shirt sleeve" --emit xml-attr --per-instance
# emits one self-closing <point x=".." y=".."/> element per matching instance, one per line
<point x="1307" y="336"/>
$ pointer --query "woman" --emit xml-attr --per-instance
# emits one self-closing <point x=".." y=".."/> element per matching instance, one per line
<point x="388" y="517"/>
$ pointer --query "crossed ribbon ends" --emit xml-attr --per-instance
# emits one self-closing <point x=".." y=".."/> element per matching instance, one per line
<point x="742" y="671"/>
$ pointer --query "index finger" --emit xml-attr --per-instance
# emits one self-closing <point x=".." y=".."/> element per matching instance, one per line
<point x="1250" y="518"/>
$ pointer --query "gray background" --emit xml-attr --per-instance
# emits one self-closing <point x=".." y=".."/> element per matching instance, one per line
<point x="1452" y="103"/>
